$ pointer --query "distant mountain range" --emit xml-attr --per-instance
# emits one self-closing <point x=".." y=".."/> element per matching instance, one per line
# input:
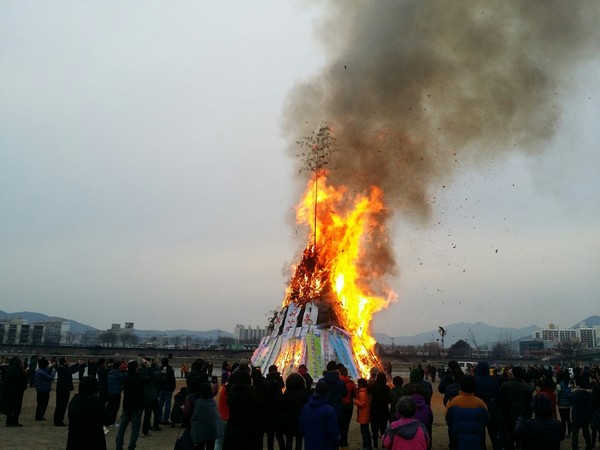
<point x="477" y="334"/>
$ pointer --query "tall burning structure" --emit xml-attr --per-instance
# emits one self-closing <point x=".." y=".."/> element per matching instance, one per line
<point x="328" y="305"/>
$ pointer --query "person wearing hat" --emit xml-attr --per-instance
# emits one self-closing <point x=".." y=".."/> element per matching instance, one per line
<point x="303" y="370"/>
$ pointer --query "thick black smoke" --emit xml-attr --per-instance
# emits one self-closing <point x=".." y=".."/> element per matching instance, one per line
<point x="415" y="89"/>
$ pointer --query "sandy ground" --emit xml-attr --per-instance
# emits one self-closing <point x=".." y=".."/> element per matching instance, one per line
<point x="43" y="435"/>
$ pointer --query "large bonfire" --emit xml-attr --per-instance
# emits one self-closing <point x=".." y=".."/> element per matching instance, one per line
<point x="329" y="304"/>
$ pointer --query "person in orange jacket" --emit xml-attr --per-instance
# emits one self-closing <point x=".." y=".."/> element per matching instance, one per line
<point x="363" y="416"/>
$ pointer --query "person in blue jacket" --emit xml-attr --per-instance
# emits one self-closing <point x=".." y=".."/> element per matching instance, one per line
<point x="318" y="421"/>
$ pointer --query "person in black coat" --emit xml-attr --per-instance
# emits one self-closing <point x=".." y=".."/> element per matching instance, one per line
<point x="274" y="422"/>
<point x="243" y="430"/>
<point x="543" y="432"/>
<point x="581" y="413"/>
<point x="379" y="408"/>
<point x="447" y="378"/>
<point x="133" y="405"/>
<point x="488" y="390"/>
<point x="87" y="417"/>
<point x="15" y="384"/>
<point x="64" y="386"/>
<point x="294" y="398"/>
<point x="336" y="387"/>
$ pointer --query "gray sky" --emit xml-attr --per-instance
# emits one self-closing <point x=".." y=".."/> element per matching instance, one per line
<point x="147" y="172"/>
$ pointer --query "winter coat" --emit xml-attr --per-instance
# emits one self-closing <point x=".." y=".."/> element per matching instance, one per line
<point x="275" y="402"/>
<point x="466" y="425"/>
<point x="243" y="428"/>
<point x="319" y="424"/>
<point x="293" y="402"/>
<point x="149" y="376"/>
<point x="350" y="387"/>
<point x="395" y="394"/>
<point x="166" y="382"/>
<point x="406" y="434"/>
<point x="541" y="433"/>
<point x="379" y="409"/>
<point x="487" y="387"/>
<point x="205" y="422"/>
<point x="87" y="415"/>
<point x="581" y="406"/>
<point x="133" y="392"/>
<point x="563" y="396"/>
<point x="552" y="397"/>
<point x="43" y="379"/>
<point x="222" y="405"/>
<point x="115" y="382"/>
<point x="515" y="399"/>
<point x="363" y="407"/>
<point x="15" y="384"/>
<point x="64" y="377"/>
<point x="418" y="385"/>
<point x="450" y="392"/>
<point x="337" y="390"/>
<point x="423" y="412"/>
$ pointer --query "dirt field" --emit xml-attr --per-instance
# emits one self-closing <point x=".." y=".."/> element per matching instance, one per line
<point x="43" y="435"/>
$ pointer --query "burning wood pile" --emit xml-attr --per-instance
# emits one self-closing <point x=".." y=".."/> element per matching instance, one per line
<point x="329" y="301"/>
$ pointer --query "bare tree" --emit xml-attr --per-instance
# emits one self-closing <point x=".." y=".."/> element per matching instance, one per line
<point x="176" y="341"/>
<point x="108" y="338"/>
<point x="500" y="351"/>
<point x="128" y="339"/>
<point x="70" y="338"/>
<point x="505" y="346"/>
<point x="319" y="148"/>
<point x="572" y="349"/>
<point x="473" y="340"/>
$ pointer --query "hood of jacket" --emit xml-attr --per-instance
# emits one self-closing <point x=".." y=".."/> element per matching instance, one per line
<point x="415" y="375"/>
<point x="331" y="376"/>
<point x="419" y="400"/>
<point x="316" y="401"/>
<point x="405" y="428"/>
<point x="482" y="369"/>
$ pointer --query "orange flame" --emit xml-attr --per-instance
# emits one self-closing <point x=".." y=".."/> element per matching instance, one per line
<point x="345" y="228"/>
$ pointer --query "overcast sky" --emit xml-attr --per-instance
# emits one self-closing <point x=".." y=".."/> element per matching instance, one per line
<point x="146" y="176"/>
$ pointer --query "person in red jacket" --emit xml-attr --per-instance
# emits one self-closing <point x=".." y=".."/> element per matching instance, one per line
<point x="347" y="405"/>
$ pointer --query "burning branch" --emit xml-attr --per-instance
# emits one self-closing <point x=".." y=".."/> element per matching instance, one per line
<point x="320" y="149"/>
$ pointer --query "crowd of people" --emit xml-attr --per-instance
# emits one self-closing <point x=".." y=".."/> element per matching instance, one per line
<point x="513" y="407"/>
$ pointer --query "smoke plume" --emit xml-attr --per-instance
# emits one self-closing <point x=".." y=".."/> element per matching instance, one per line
<point x="414" y="88"/>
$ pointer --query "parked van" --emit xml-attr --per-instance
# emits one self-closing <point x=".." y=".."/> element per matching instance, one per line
<point x="467" y="366"/>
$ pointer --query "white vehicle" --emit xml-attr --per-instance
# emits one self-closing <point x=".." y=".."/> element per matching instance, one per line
<point x="466" y="366"/>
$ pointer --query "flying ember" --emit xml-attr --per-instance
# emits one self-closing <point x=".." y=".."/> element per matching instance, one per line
<point x="329" y="302"/>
